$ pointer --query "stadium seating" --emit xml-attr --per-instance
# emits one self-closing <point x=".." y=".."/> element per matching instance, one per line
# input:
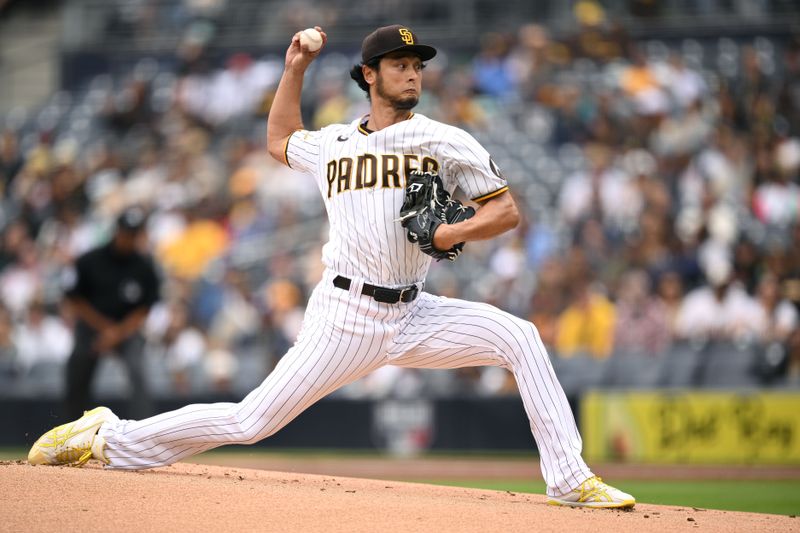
<point x="729" y="365"/>
<point x="578" y="373"/>
<point x="520" y="136"/>
<point x="631" y="370"/>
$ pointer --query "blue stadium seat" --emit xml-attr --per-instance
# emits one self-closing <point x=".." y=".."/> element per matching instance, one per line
<point x="632" y="370"/>
<point x="111" y="379"/>
<point x="729" y="365"/>
<point x="679" y="367"/>
<point x="45" y="378"/>
<point x="157" y="374"/>
<point x="252" y="370"/>
<point x="578" y="373"/>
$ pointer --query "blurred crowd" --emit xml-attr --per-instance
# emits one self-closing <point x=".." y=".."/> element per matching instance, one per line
<point x="659" y="185"/>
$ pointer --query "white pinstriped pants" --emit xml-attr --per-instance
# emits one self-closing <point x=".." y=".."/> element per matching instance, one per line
<point x="347" y="335"/>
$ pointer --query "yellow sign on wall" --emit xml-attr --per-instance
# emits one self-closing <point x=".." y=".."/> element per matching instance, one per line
<point x="691" y="427"/>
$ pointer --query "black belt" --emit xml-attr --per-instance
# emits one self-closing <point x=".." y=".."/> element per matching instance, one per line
<point x="381" y="294"/>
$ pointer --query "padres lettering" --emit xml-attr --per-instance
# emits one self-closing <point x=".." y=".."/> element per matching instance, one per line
<point x="364" y="171"/>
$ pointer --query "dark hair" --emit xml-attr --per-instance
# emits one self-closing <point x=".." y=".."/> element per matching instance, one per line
<point x="358" y="75"/>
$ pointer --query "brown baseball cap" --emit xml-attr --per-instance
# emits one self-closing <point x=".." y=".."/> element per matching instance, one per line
<point x="391" y="39"/>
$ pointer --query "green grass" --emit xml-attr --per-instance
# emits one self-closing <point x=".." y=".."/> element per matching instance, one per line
<point x="12" y="454"/>
<point x="776" y="497"/>
<point x="370" y="453"/>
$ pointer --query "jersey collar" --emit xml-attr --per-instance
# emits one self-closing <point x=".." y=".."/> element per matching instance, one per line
<point x="362" y="124"/>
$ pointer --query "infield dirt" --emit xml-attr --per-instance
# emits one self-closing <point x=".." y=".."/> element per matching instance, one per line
<point x="187" y="497"/>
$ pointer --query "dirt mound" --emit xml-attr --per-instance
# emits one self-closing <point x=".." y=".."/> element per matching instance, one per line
<point x="188" y="497"/>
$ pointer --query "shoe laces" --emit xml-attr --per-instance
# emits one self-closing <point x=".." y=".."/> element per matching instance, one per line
<point x="84" y="458"/>
<point x="75" y="456"/>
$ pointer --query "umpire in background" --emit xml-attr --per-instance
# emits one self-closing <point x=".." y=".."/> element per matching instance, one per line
<point x="115" y="286"/>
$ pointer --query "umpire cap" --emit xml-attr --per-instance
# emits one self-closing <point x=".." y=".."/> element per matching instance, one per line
<point x="132" y="220"/>
<point x="391" y="39"/>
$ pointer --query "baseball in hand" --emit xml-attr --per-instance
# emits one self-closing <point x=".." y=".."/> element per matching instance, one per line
<point x="311" y="39"/>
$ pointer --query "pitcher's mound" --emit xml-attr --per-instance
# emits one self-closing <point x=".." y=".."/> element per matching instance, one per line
<point x="188" y="497"/>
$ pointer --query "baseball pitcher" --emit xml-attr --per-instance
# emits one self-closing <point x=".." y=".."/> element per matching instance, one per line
<point x="386" y="180"/>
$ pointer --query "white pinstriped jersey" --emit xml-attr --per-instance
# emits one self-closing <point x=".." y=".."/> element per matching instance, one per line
<point x="362" y="177"/>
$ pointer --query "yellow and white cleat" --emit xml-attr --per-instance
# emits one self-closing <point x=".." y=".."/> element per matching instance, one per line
<point x="73" y="443"/>
<point x="593" y="493"/>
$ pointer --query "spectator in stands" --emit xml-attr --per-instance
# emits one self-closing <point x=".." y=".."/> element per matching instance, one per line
<point x="8" y="350"/>
<point x="751" y="91"/>
<point x="746" y="264"/>
<point x="65" y="236"/>
<point x="678" y="134"/>
<point x="237" y="321"/>
<point x="32" y="186"/>
<point x="15" y="236"/>
<point x="220" y="366"/>
<point x="187" y="254"/>
<point x="602" y="190"/>
<point x="593" y="40"/>
<point x="571" y="117"/>
<point x="777" y="202"/>
<point x="670" y="292"/>
<point x="114" y="288"/>
<point x="181" y="343"/>
<point x="10" y="161"/>
<point x="66" y="185"/>
<point x="22" y="280"/>
<point x="545" y="309"/>
<point x="491" y="70"/>
<point x="529" y="60"/>
<point x="130" y="107"/>
<point x="643" y="168"/>
<point x="236" y="91"/>
<point x="648" y="247"/>
<point x="642" y="323"/>
<point x="144" y="180"/>
<point x="720" y="310"/>
<point x="247" y="219"/>
<point x="282" y="309"/>
<point x="586" y="327"/>
<point x="462" y="108"/>
<point x="685" y="85"/>
<point x="778" y="316"/>
<point x="640" y="83"/>
<point x="789" y="93"/>
<point x="333" y="104"/>
<point x="41" y="337"/>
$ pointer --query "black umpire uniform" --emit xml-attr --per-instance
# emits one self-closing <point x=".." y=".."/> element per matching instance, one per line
<point x="114" y="288"/>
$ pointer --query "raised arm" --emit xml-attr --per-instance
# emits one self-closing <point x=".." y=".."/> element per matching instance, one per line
<point x="284" y="115"/>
